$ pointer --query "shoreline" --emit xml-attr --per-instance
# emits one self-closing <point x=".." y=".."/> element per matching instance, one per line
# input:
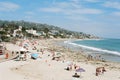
<point x="75" y="56"/>
<point x="95" y="51"/>
<point x="80" y="53"/>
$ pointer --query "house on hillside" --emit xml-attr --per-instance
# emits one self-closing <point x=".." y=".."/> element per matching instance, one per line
<point x="41" y="33"/>
<point x="54" y="32"/>
<point x="1" y="29"/>
<point x="35" y="33"/>
<point x="18" y="32"/>
<point x="31" y="31"/>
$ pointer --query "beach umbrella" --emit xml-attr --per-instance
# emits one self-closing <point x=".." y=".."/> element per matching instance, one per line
<point x="26" y="45"/>
<point x="80" y="70"/>
<point x="34" y="55"/>
<point x="23" y="49"/>
<point x="69" y="63"/>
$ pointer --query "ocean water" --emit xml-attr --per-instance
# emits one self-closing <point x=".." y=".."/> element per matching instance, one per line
<point x="109" y="49"/>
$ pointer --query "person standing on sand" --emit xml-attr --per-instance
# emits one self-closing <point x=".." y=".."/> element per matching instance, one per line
<point x="6" y="56"/>
<point x="42" y="51"/>
<point x="25" y="56"/>
<point x="12" y="53"/>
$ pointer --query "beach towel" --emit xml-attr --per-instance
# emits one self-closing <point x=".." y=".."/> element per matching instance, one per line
<point x="76" y="78"/>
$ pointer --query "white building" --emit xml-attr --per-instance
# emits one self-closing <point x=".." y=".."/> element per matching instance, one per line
<point x="15" y="32"/>
<point x="31" y="31"/>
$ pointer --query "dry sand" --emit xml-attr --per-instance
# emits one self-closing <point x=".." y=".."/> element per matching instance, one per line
<point x="47" y="69"/>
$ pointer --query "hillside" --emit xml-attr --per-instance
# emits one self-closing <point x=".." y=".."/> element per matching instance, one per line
<point x="7" y="29"/>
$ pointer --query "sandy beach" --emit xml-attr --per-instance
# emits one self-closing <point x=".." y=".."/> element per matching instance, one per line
<point x="44" y="68"/>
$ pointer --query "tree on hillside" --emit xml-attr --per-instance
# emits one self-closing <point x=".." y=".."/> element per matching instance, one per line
<point x="46" y="30"/>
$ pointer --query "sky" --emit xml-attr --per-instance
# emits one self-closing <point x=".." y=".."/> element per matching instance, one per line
<point x="97" y="17"/>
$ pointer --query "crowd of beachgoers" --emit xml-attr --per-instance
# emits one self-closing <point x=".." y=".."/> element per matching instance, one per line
<point x="34" y="59"/>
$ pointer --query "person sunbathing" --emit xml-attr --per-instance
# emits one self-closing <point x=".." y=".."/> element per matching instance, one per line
<point x="68" y="68"/>
<point x="76" y="75"/>
<point x="103" y="70"/>
<point x="100" y="70"/>
<point x="76" y="67"/>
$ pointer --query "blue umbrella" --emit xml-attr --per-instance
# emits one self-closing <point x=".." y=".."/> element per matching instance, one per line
<point x="34" y="55"/>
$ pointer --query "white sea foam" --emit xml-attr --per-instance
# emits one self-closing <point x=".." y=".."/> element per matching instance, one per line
<point x="93" y="48"/>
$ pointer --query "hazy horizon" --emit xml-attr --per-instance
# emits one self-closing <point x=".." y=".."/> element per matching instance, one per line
<point x="97" y="17"/>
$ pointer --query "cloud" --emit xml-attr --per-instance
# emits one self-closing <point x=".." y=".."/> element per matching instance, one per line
<point x="78" y="18"/>
<point x="67" y="5"/>
<point x="88" y="11"/>
<point x="71" y="11"/>
<point x="116" y="13"/>
<point x="92" y="1"/>
<point x="109" y="4"/>
<point x="70" y="8"/>
<point x="52" y="9"/>
<point x="8" y="6"/>
<point x="75" y="1"/>
<point x="29" y="13"/>
<point x="28" y="17"/>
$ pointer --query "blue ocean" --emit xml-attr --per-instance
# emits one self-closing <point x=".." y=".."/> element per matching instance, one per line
<point x="108" y="48"/>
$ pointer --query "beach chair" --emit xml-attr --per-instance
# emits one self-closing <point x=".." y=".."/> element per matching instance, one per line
<point x="17" y="58"/>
